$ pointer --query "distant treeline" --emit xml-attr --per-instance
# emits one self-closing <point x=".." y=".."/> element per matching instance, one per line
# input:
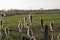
<point x="19" y="12"/>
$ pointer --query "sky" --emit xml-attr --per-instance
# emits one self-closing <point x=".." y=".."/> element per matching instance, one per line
<point x="29" y="4"/>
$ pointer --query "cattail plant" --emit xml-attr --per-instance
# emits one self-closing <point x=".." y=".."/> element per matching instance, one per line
<point x="52" y="26"/>
<point x="52" y="37"/>
<point x="42" y="25"/>
<point x="20" y="26"/>
<point x="31" y="19"/>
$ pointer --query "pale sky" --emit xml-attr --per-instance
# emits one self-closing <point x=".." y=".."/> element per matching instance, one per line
<point x="25" y="4"/>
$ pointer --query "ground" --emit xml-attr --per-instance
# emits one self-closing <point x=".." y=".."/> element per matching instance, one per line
<point x="12" y="22"/>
